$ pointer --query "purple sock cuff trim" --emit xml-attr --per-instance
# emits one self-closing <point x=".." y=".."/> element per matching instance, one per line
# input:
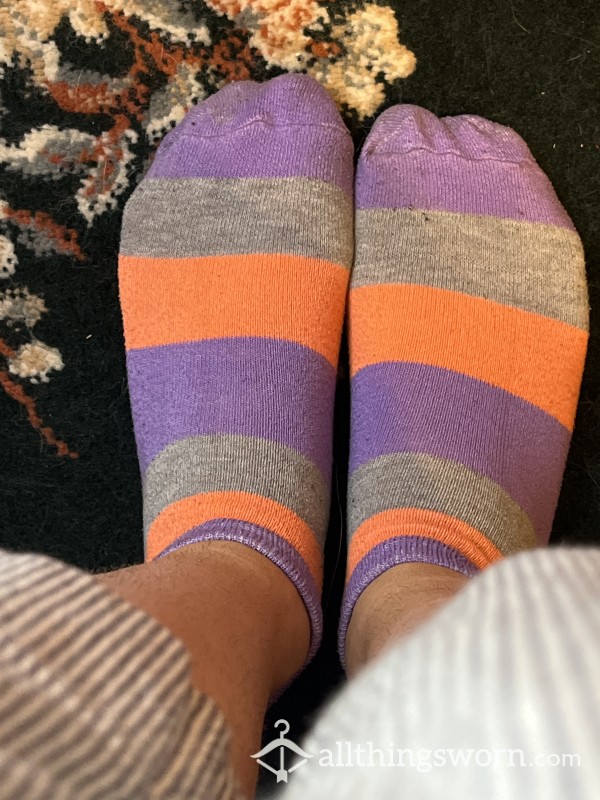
<point x="276" y="549"/>
<point x="397" y="550"/>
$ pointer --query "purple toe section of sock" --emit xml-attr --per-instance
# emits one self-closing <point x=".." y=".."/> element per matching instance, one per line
<point x="462" y="164"/>
<point x="288" y="127"/>
<point x="291" y="99"/>
<point x="274" y="548"/>
<point x="397" y="550"/>
<point x="403" y="128"/>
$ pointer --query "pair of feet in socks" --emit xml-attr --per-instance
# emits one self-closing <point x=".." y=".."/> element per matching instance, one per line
<point x="467" y="326"/>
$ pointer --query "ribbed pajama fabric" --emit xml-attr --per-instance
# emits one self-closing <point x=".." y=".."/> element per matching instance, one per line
<point x="96" y="703"/>
<point x="95" y="697"/>
<point x="511" y="664"/>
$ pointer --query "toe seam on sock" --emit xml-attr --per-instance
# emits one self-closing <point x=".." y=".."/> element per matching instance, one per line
<point x="522" y="162"/>
<point x="279" y="126"/>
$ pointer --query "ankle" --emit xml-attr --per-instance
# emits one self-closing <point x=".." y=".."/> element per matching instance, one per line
<point x="393" y="605"/>
<point x="265" y="603"/>
<point x="211" y="587"/>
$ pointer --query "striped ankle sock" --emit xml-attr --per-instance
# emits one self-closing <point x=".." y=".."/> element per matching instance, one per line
<point x="468" y="321"/>
<point x="234" y="265"/>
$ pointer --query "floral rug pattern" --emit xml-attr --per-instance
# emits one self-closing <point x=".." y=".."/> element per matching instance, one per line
<point x="88" y="89"/>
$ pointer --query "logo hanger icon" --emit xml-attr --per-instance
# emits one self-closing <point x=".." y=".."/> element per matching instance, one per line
<point x="283" y="744"/>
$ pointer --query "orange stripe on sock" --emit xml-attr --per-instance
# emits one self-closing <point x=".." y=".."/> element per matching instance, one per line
<point x="534" y="357"/>
<point x="183" y="515"/>
<point x="379" y="528"/>
<point x="172" y="300"/>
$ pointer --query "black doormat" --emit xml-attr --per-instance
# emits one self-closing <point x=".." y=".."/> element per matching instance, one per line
<point x="89" y="88"/>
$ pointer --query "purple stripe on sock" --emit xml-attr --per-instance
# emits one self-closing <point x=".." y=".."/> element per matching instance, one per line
<point x="275" y="389"/>
<point x="274" y="548"/>
<point x="275" y="153"/>
<point x="447" y="182"/>
<point x="397" y="550"/>
<point x="402" y="407"/>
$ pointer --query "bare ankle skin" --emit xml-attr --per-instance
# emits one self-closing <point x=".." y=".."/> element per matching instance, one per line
<point x="394" y="604"/>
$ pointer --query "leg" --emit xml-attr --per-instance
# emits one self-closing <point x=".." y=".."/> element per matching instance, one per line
<point x="468" y="323"/>
<point x="394" y="604"/>
<point x="239" y="659"/>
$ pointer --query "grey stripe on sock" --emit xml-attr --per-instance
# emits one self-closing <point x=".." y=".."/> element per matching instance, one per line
<point x="416" y="480"/>
<point x="527" y="265"/>
<point x="235" y="463"/>
<point x="176" y="218"/>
